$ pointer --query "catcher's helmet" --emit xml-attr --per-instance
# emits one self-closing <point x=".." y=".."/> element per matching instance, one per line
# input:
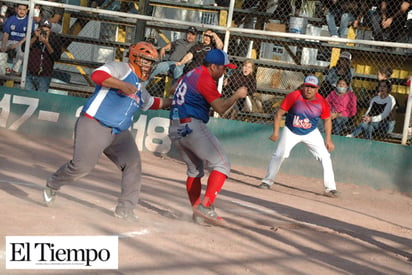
<point x="142" y="56"/>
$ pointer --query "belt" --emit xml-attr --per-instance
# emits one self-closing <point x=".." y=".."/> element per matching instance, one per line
<point x="89" y="116"/>
<point x="185" y="120"/>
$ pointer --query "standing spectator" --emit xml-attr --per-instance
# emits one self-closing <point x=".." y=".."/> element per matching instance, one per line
<point x="377" y="115"/>
<point x="195" y="93"/>
<point x="342" y="103"/>
<point x="304" y="107"/>
<point x="14" y="35"/>
<point x="177" y="49"/>
<point x="45" y="49"/>
<point x="197" y="53"/>
<point x="103" y="127"/>
<point x="54" y="14"/>
<point x="245" y="78"/>
<point x="343" y="69"/>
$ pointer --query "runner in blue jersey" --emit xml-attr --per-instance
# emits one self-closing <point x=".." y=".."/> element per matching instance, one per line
<point x="195" y="93"/>
<point x="14" y="35"/>
<point x="303" y="109"/>
<point x="103" y="127"/>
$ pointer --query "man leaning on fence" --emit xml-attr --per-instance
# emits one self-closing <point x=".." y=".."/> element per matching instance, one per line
<point x="45" y="49"/>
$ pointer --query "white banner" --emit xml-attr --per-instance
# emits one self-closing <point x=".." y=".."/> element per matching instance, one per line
<point x="61" y="252"/>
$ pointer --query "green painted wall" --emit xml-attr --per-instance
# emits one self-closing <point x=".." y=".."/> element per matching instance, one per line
<point x="377" y="164"/>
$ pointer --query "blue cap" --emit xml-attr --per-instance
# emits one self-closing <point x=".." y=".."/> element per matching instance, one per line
<point x="219" y="57"/>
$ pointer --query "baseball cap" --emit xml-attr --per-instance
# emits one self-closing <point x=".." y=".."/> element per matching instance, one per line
<point x="346" y="55"/>
<point x="45" y="23"/>
<point x="312" y="81"/>
<point x="219" y="57"/>
<point x="192" y="29"/>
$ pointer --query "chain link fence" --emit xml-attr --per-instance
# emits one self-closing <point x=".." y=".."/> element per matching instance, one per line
<point x="282" y="40"/>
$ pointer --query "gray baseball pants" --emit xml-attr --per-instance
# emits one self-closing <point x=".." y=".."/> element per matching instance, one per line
<point x="90" y="141"/>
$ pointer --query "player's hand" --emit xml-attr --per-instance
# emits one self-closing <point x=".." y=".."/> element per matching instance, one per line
<point x="128" y="88"/>
<point x="274" y="137"/>
<point x="330" y="146"/>
<point x="242" y="92"/>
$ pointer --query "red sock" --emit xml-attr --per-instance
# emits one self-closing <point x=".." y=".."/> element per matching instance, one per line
<point x="214" y="184"/>
<point x="193" y="188"/>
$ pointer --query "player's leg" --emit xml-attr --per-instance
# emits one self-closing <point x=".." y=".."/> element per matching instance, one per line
<point x="287" y="141"/>
<point x="90" y="139"/>
<point x="317" y="147"/>
<point x="208" y="148"/>
<point x="124" y="153"/>
<point x="195" y="171"/>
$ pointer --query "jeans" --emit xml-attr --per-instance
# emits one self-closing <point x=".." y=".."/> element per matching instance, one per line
<point x="338" y="125"/>
<point x="165" y="67"/>
<point x="345" y="20"/>
<point x="38" y="83"/>
<point x="368" y="128"/>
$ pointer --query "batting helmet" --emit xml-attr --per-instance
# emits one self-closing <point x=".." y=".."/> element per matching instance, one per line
<point x="142" y="56"/>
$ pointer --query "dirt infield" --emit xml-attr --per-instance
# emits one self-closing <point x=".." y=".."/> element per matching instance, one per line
<point x="290" y="229"/>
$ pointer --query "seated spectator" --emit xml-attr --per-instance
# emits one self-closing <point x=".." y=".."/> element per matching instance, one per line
<point x="243" y="78"/>
<point x="342" y="103"/>
<point x="387" y="20"/>
<point x="54" y="14"/>
<point x="284" y="10"/>
<point x="45" y="49"/>
<point x="376" y="117"/>
<point x="198" y="52"/>
<point x="14" y="35"/>
<point x="343" y="69"/>
<point x="177" y="50"/>
<point x="342" y="14"/>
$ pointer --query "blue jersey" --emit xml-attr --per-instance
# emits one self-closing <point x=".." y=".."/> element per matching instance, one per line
<point x="113" y="108"/>
<point x="16" y="27"/>
<point x="303" y="115"/>
<point x="193" y="95"/>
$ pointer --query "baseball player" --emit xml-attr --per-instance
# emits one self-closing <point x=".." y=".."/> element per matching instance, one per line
<point x="195" y="93"/>
<point x="304" y="107"/>
<point x="103" y="127"/>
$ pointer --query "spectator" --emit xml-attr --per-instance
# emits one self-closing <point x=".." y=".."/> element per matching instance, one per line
<point x="376" y="117"/>
<point x="385" y="73"/>
<point x="342" y="103"/>
<point x="45" y="49"/>
<point x="5" y="12"/>
<point x="284" y="10"/>
<point x="14" y="35"/>
<point x="387" y="20"/>
<point x="342" y="14"/>
<point x="343" y="69"/>
<point x="238" y="79"/>
<point x="177" y="49"/>
<point x="54" y="14"/>
<point x="198" y="52"/>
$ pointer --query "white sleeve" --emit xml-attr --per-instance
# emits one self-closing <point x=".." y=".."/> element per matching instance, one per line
<point x="148" y="100"/>
<point x="388" y="108"/>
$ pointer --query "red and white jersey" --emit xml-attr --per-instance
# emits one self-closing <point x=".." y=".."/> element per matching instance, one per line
<point x="303" y="115"/>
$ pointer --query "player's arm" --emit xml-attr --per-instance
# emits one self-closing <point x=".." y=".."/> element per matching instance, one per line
<point x="328" y="134"/>
<point x="104" y="79"/>
<point x="160" y="103"/>
<point x="276" y="124"/>
<point x="221" y="105"/>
